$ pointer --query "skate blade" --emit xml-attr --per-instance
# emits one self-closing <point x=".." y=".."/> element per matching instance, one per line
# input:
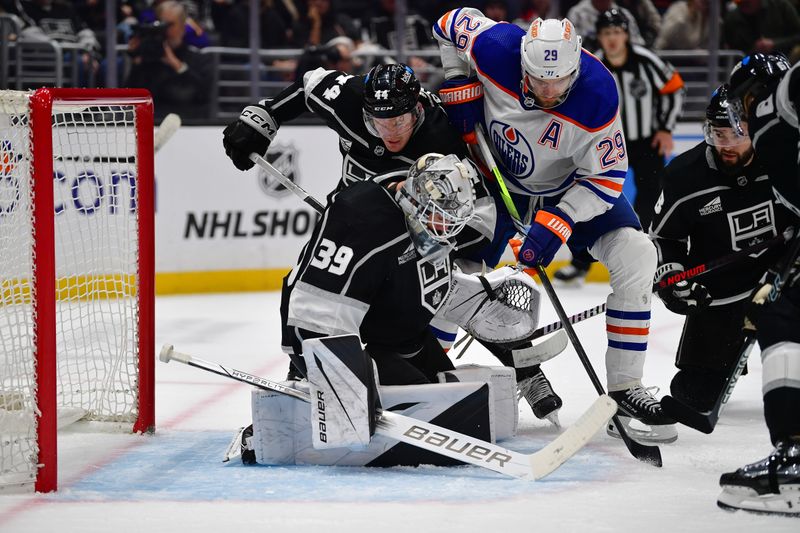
<point x="553" y="418"/>
<point x="234" y="449"/>
<point x="787" y="503"/>
<point x="642" y="433"/>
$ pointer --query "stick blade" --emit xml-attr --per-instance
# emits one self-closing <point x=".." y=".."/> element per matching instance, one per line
<point x="643" y="452"/>
<point x="165" y="130"/>
<point x="703" y="422"/>
<point x="549" y="458"/>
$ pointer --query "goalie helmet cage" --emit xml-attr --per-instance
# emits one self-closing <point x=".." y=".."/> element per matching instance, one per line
<point x="76" y="270"/>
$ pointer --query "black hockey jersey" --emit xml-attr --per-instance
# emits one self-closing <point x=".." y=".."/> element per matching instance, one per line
<point x="338" y="98"/>
<point x="703" y="214"/>
<point x="360" y="273"/>
<point x="773" y="126"/>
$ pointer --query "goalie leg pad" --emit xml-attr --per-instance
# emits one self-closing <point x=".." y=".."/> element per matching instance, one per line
<point x="344" y="392"/>
<point x="282" y="425"/>
<point x="502" y="381"/>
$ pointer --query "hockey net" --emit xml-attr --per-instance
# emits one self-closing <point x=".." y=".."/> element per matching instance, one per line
<point x="76" y="270"/>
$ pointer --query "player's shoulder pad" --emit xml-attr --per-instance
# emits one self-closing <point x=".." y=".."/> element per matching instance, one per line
<point x="496" y="54"/>
<point x="321" y="79"/>
<point x="593" y="102"/>
<point x="686" y="170"/>
<point x="368" y="204"/>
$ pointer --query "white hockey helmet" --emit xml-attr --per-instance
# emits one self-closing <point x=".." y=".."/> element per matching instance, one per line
<point x="439" y="194"/>
<point x="551" y="58"/>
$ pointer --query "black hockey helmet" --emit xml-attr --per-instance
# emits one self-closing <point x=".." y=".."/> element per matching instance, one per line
<point x="755" y="71"/>
<point x="611" y="18"/>
<point x="390" y="91"/>
<point x="717" y="110"/>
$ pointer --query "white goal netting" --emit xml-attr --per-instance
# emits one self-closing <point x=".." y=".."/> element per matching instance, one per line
<point x="96" y="249"/>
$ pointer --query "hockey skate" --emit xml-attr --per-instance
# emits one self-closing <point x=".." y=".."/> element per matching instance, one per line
<point x="571" y="274"/>
<point x="539" y="394"/>
<point x="642" y="416"/>
<point x="769" y="486"/>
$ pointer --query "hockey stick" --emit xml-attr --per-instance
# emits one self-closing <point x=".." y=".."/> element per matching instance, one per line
<point x="689" y="274"/>
<point x="169" y="125"/>
<point x="529" y="355"/>
<point x="705" y="422"/>
<point x="442" y="440"/>
<point x="642" y="452"/>
<point x="286" y="182"/>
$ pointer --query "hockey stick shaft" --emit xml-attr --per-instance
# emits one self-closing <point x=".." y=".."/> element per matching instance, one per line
<point x="705" y="422"/>
<point x="286" y="182"/>
<point x="169" y="125"/>
<point x="650" y="454"/>
<point x="441" y="440"/>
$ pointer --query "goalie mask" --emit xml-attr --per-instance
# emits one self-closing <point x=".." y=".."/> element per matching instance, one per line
<point x="438" y="197"/>
<point x="551" y="57"/>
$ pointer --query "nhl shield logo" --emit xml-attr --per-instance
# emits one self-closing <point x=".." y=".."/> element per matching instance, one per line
<point x="751" y="226"/>
<point x="284" y="158"/>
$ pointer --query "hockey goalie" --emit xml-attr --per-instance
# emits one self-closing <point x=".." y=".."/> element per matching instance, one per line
<point x="356" y="312"/>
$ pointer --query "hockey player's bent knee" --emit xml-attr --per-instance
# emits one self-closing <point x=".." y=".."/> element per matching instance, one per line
<point x="630" y="257"/>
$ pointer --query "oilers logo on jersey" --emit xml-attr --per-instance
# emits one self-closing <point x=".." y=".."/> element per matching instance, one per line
<point x="514" y="149"/>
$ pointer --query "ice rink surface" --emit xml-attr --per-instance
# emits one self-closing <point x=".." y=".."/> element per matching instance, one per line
<point x="175" y="481"/>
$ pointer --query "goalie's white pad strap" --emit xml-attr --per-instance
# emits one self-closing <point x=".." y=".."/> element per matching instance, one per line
<point x="501" y="306"/>
<point x="502" y="382"/>
<point x="341" y="376"/>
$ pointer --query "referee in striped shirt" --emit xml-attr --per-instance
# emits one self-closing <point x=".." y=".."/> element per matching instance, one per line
<point x="650" y="98"/>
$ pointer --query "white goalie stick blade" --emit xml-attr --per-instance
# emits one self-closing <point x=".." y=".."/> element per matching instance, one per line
<point x="442" y="440"/>
<point x="539" y="353"/>
<point x="467" y="449"/>
<point x="169" y="125"/>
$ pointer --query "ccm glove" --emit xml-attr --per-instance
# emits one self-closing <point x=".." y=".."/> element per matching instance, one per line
<point x="252" y="132"/>
<point x="550" y="229"/>
<point x="685" y="297"/>
<point x="463" y="100"/>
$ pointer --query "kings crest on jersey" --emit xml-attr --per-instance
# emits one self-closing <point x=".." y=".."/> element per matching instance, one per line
<point x="542" y="151"/>
<point x="361" y="273"/>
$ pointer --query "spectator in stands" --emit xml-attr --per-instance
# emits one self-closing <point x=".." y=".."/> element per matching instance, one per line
<point x="684" y="26"/>
<point x="647" y="17"/>
<point x="766" y="26"/>
<point x="321" y="23"/>
<point x="530" y="10"/>
<point x="177" y="74"/>
<point x="196" y="35"/>
<point x="380" y="27"/>
<point x="332" y="56"/>
<point x="231" y="20"/>
<point x="496" y="10"/>
<point x="57" y="20"/>
<point x="585" y="13"/>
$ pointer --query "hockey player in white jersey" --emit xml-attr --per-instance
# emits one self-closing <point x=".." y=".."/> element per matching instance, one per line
<point x="551" y="112"/>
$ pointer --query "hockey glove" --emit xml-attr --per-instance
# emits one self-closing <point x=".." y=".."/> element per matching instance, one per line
<point x="550" y="229"/>
<point x="251" y="132"/>
<point x="463" y="100"/>
<point x="685" y="297"/>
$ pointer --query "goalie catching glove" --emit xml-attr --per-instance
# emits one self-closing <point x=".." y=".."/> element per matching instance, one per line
<point x="500" y="307"/>
<point x="250" y="133"/>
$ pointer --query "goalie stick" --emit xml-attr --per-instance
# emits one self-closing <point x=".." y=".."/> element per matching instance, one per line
<point x="642" y="452"/>
<point x="441" y="440"/>
<point x="169" y="125"/>
<point x="706" y="421"/>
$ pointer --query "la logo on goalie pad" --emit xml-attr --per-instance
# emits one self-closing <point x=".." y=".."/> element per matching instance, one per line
<point x="343" y="390"/>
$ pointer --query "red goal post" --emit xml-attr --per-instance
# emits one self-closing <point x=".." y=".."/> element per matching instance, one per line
<point x="77" y="271"/>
